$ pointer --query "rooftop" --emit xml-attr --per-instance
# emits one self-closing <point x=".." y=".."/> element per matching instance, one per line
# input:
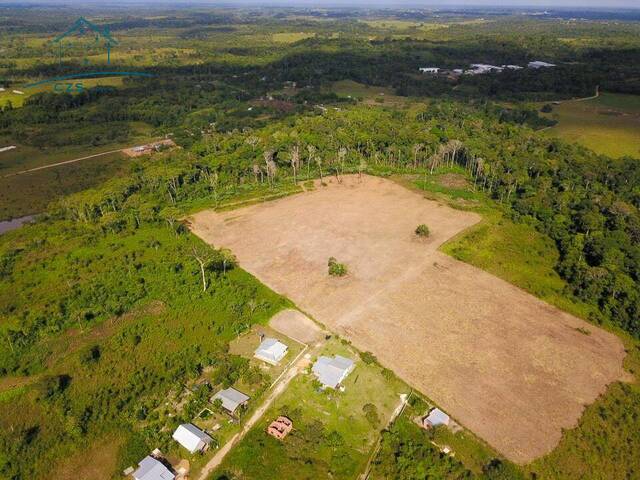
<point x="231" y="398"/>
<point x="331" y="371"/>
<point x="271" y="350"/>
<point x="190" y="437"/>
<point x="152" y="469"/>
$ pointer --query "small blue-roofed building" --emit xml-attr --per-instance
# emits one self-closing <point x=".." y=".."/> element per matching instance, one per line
<point x="331" y="372"/>
<point x="435" y="418"/>
<point x="152" y="469"/>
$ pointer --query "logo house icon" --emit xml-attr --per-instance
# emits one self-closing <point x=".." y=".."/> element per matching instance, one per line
<point x="84" y="39"/>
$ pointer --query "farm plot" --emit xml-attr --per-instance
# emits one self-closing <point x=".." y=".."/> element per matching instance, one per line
<point x="510" y="367"/>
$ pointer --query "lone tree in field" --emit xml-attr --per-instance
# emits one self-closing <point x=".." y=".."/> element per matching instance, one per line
<point x="422" y="231"/>
<point x="336" y="269"/>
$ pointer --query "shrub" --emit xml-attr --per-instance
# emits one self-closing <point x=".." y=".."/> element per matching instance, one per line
<point x="422" y="230"/>
<point x="368" y="357"/>
<point x="336" y="269"/>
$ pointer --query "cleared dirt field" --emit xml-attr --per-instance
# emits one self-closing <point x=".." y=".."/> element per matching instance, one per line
<point x="504" y="364"/>
<point x="296" y="325"/>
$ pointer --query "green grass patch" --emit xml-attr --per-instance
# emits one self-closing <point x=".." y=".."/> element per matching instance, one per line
<point x="609" y="124"/>
<point x="334" y="432"/>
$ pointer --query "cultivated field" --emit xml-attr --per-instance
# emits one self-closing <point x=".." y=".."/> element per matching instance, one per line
<point x="504" y="364"/>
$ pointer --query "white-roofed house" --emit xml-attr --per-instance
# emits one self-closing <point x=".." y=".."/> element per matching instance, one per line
<point x="432" y="70"/>
<point x="436" y="417"/>
<point x="332" y="371"/>
<point x="271" y="351"/>
<point x="539" y="64"/>
<point x="231" y="399"/>
<point x="192" y="438"/>
<point x="152" y="469"/>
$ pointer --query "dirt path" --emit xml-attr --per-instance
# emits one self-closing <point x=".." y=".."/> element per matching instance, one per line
<point x="52" y="165"/>
<point x="496" y="358"/>
<point x="584" y="99"/>
<point x="277" y="389"/>
<point x="66" y="162"/>
<point x="404" y="398"/>
<point x="593" y="97"/>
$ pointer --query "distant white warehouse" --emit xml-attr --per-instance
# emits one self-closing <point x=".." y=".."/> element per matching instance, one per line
<point x="152" y="469"/>
<point x="332" y="371"/>
<point x="271" y="351"/>
<point x="192" y="438"/>
<point x="432" y="70"/>
<point x="538" y="64"/>
<point x="482" y="68"/>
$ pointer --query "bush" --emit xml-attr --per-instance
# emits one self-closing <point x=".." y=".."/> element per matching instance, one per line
<point x="422" y="230"/>
<point x="368" y="357"/>
<point x="336" y="269"/>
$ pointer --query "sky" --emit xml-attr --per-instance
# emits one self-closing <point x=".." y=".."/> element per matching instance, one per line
<point x="534" y="4"/>
<point x="604" y="4"/>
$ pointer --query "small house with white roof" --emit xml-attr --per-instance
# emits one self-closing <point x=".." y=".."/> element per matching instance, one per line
<point x="331" y="372"/>
<point x="435" y="418"/>
<point x="152" y="469"/>
<point x="271" y="351"/>
<point x="231" y="399"/>
<point x="192" y="438"/>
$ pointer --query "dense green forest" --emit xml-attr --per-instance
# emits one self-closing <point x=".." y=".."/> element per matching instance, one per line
<point x="94" y="297"/>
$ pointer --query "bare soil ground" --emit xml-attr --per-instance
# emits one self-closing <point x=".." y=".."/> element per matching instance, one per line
<point x="296" y="325"/>
<point x="506" y="365"/>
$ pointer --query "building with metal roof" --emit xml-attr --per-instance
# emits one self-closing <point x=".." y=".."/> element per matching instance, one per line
<point x="192" y="438"/>
<point x="152" y="469"/>
<point x="332" y="371"/>
<point x="271" y="351"/>
<point x="436" y="417"/>
<point x="231" y="399"/>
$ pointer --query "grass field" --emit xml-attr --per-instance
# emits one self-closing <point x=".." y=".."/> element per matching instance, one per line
<point x="367" y="94"/>
<point x="27" y="156"/>
<point x="609" y="124"/>
<point x="333" y="434"/>
<point x="17" y="99"/>
<point x="30" y="193"/>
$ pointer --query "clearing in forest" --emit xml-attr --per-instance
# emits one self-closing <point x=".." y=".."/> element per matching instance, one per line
<point x="609" y="124"/>
<point x="508" y="366"/>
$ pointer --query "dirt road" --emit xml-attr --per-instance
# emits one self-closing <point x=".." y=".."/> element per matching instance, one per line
<point x="52" y="165"/>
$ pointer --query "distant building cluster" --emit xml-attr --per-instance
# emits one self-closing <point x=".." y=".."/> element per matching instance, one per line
<point x="482" y="68"/>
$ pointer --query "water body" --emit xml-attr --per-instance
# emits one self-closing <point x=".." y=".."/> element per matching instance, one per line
<point x="8" y="225"/>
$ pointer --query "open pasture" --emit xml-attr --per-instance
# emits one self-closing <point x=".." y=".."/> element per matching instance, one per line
<point x="609" y="124"/>
<point x="508" y="366"/>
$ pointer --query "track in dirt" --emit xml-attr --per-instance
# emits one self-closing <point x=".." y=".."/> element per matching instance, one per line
<point x="511" y="368"/>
